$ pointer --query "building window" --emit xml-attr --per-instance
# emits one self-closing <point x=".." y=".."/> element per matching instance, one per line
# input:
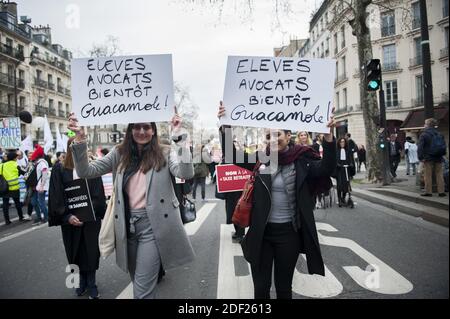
<point x="343" y="37"/>
<point x="50" y="103"/>
<point x="419" y="90"/>
<point x="391" y="93"/>
<point x="337" y="101"/>
<point x="22" y="101"/>
<point x="415" y="8"/>
<point x="335" y="43"/>
<point x="389" y="57"/>
<point x="344" y="97"/>
<point x="444" y="8"/>
<point x="417" y="51"/>
<point x="344" y="70"/>
<point x="387" y="24"/>
<point x="337" y="69"/>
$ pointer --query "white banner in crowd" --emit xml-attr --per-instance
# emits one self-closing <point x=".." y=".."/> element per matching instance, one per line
<point x="27" y="144"/>
<point x="48" y="137"/>
<point x="60" y="147"/>
<point x="123" y="89"/>
<point x="10" y="137"/>
<point x="279" y="93"/>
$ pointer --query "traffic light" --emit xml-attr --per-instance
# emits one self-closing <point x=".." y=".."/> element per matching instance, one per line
<point x="373" y="75"/>
<point x="381" y="141"/>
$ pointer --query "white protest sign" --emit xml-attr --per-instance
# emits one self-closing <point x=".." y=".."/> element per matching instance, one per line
<point x="10" y="133"/>
<point x="279" y="93"/>
<point x="123" y="89"/>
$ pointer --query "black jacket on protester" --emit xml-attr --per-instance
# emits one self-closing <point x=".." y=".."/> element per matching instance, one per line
<point x="80" y="242"/>
<point x="306" y="170"/>
<point x="423" y="147"/>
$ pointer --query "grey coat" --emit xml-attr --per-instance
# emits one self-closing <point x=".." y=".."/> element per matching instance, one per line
<point x="162" y="205"/>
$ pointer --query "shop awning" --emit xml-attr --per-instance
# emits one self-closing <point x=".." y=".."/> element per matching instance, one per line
<point x="415" y="119"/>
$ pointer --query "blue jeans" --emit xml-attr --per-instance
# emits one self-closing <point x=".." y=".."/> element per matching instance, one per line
<point x="38" y="202"/>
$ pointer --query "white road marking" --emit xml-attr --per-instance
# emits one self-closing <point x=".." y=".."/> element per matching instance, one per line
<point x="202" y="214"/>
<point x="378" y="277"/>
<point x="127" y="293"/>
<point x="23" y="232"/>
<point x="316" y="286"/>
<point x="230" y="286"/>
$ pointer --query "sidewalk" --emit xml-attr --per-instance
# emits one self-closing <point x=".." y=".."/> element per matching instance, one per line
<point x="404" y="195"/>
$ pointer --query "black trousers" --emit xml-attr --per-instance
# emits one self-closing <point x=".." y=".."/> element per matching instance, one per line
<point x="280" y="247"/>
<point x="16" y="197"/>
<point x="394" y="161"/>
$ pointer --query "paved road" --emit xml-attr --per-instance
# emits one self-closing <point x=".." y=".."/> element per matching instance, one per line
<point x="409" y="259"/>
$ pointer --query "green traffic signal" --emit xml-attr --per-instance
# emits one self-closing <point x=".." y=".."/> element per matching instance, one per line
<point x="374" y="85"/>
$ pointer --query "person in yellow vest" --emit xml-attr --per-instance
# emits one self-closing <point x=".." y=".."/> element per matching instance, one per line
<point x="10" y="171"/>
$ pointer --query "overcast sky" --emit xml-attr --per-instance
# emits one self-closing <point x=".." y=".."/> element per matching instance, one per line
<point x="197" y="36"/>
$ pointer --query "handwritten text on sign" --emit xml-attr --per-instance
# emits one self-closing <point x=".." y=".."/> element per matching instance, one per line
<point x="279" y="93"/>
<point x="231" y="178"/>
<point x="126" y="89"/>
<point x="10" y="133"/>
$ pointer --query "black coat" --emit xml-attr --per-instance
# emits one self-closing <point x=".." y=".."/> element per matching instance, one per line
<point x="306" y="171"/>
<point x="80" y="242"/>
<point x="423" y="147"/>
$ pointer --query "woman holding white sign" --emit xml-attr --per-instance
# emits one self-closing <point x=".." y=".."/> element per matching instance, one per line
<point x="148" y="227"/>
<point x="282" y="222"/>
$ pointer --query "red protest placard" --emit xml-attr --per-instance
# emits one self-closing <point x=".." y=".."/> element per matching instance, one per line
<point x="231" y="178"/>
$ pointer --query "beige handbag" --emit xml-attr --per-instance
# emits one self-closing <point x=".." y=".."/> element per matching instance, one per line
<point x="107" y="238"/>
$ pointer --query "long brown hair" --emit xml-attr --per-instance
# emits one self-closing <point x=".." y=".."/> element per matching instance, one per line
<point x="152" y="154"/>
<point x="68" y="160"/>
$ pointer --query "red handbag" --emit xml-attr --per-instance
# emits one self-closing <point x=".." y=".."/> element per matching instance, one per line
<point x="243" y="209"/>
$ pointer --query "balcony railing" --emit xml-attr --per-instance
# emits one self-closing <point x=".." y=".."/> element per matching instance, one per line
<point x="417" y="60"/>
<point x="40" y="110"/>
<point x="8" y="79"/>
<point x="387" y="31"/>
<point x="51" y="86"/>
<point x="40" y="82"/>
<point x="67" y="92"/>
<point x="417" y="102"/>
<point x="61" y="113"/>
<point x="416" y="23"/>
<point x="52" y="111"/>
<point x="12" y="52"/>
<point x="13" y="27"/>
<point x="391" y="66"/>
<point x="393" y="103"/>
<point x="58" y="64"/>
<point x="60" y="89"/>
<point x="444" y="52"/>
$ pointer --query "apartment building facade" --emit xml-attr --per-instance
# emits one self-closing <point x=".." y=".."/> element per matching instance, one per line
<point x="395" y="35"/>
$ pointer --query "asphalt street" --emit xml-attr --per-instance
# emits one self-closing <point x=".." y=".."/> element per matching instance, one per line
<point x="369" y="252"/>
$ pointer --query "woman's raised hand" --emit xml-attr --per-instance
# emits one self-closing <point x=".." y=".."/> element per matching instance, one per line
<point x="73" y="126"/>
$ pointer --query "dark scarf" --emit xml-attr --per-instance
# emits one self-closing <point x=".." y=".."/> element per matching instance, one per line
<point x="317" y="186"/>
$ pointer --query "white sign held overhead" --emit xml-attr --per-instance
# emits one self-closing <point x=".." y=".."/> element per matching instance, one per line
<point x="279" y="93"/>
<point x="123" y="89"/>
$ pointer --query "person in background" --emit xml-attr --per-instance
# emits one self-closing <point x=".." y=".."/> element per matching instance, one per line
<point x="11" y="171"/>
<point x="431" y="150"/>
<point x="362" y="157"/>
<point x="317" y="145"/>
<point x="200" y="172"/>
<point x="303" y="138"/>
<point x="80" y="238"/>
<point x="411" y="156"/>
<point x="345" y="169"/>
<point x="43" y="179"/>
<point x="60" y="156"/>
<point x="22" y="160"/>
<point x="395" y="151"/>
<point x="353" y="148"/>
